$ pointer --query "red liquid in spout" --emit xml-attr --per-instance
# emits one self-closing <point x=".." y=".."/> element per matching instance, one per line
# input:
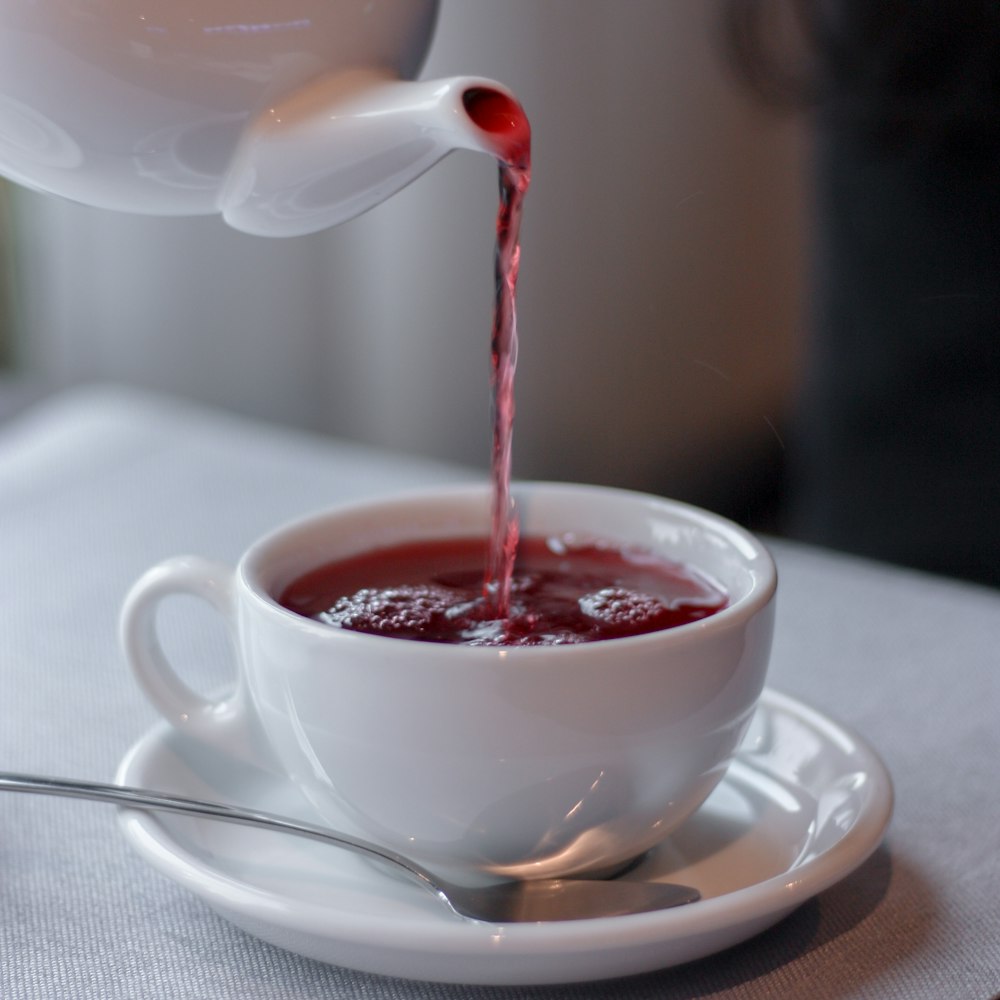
<point x="510" y="139"/>
<point x="505" y="121"/>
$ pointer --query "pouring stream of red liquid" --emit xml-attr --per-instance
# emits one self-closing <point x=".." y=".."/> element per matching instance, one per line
<point x="506" y="124"/>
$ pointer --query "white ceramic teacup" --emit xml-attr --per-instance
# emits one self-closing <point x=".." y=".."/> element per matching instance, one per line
<point x="519" y="762"/>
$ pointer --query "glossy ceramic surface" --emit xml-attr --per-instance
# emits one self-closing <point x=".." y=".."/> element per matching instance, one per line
<point x="284" y="115"/>
<point x="510" y="762"/>
<point x="803" y="804"/>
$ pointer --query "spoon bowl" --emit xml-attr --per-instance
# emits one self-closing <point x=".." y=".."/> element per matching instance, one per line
<point x="529" y="901"/>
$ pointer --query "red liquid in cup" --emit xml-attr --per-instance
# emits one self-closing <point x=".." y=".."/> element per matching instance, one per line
<point x="559" y="592"/>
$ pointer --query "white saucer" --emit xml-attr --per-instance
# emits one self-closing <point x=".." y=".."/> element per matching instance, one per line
<point x="805" y="802"/>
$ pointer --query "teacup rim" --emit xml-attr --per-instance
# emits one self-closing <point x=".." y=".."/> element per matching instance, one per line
<point x="759" y="561"/>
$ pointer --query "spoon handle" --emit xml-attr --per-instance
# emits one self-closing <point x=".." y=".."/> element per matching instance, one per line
<point x="142" y="798"/>
<point x="531" y="901"/>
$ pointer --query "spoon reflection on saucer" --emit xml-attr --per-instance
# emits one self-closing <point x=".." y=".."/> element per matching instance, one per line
<point x="528" y="901"/>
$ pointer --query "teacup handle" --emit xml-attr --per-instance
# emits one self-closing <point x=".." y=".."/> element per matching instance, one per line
<point x="227" y="724"/>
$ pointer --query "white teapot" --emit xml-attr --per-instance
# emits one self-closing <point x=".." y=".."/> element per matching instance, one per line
<point x="285" y="116"/>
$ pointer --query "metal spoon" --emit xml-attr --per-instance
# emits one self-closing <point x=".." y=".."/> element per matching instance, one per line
<point x="528" y="901"/>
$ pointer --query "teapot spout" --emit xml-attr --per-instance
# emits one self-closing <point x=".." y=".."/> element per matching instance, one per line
<point x="346" y="142"/>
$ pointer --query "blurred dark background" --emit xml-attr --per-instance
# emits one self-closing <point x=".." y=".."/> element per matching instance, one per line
<point x="894" y="433"/>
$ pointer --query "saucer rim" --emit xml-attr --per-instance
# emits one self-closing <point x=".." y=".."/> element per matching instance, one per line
<point x="749" y="909"/>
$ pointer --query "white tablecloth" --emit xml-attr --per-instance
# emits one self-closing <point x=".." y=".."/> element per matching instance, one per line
<point x="97" y="485"/>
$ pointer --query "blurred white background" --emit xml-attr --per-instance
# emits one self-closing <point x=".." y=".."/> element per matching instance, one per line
<point x="661" y="280"/>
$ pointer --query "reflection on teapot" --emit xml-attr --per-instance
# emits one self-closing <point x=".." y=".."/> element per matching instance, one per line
<point x="285" y="116"/>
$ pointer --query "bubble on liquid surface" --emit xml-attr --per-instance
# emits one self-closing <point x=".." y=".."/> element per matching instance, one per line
<point x="407" y="611"/>
<point x="622" y="609"/>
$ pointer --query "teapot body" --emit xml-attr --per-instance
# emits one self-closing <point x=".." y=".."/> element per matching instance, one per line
<point x="139" y="105"/>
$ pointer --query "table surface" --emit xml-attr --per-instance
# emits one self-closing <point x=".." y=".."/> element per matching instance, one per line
<point x="98" y="484"/>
